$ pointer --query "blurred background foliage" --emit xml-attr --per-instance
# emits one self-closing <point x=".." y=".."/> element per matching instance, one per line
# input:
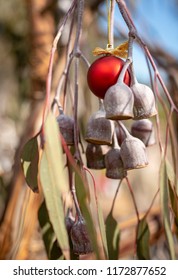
<point x="27" y="29"/>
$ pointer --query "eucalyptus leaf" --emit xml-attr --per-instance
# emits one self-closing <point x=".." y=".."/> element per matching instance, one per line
<point x="102" y="229"/>
<point x="52" y="248"/>
<point x="173" y="199"/>
<point x="113" y="237"/>
<point x="53" y="181"/>
<point x="29" y="161"/>
<point x="164" y="195"/>
<point x="143" y="236"/>
<point x="174" y="206"/>
<point x="170" y="173"/>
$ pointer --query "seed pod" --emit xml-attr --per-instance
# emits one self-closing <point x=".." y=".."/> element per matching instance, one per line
<point x="99" y="129"/>
<point x="114" y="165"/>
<point x="133" y="153"/>
<point x="80" y="238"/>
<point x="66" y="126"/>
<point x="118" y="102"/>
<point x="95" y="156"/>
<point x="144" y="101"/>
<point x="143" y="129"/>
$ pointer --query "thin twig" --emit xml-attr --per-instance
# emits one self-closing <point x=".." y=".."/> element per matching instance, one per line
<point x="133" y="198"/>
<point x="133" y="32"/>
<point x="151" y="205"/>
<point x="51" y="62"/>
<point x="115" y="196"/>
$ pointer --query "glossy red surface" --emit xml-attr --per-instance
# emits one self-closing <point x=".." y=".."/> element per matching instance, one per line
<point x="104" y="73"/>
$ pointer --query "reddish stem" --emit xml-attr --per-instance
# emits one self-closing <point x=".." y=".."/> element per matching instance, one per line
<point x="133" y="198"/>
<point x="149" y="209"/>
<point x="133" y="32"/>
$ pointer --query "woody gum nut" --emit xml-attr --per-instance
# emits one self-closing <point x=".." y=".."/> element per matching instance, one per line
<point x="143" y="129"/>
<point x="95" y="156"/>
<point x="80" y="238"/>
<point x="114" y="165"/>
<point x="144" y="101"/>
<point x="66" y="127"/>
<point x="118" y="102"/>
<point x="133" y="153"/>
<point x="99" y="129"/>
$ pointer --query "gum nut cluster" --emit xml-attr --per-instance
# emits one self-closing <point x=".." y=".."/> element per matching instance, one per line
<point x="120" y="99"/>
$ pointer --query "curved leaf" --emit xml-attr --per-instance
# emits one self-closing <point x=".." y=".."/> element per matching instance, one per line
<point x="143" y="236"/>
<point x="164" y="194"/>
<point x="53" y="181"/>
<point x="52" y="248"/>
<point x="102" y="229"/>
<point x="29" y="161"/>
<point x="174" y="205"/>
<point x="113" y="237"/>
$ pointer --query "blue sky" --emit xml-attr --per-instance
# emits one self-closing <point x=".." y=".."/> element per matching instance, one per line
<point x="157" y="23"/>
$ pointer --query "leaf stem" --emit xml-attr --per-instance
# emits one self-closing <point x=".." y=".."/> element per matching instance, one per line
<point x="133" y="198"/>
<point x="115" y="196"/>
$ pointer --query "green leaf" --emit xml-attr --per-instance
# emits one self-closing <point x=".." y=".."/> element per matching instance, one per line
<point x="143" y="236"/>
<point x="173" y="199"/>
<point x="164" y="195"/>
<point x="29" y="161"/>
<point x="82" y="199"/>
<point x="102" y="229"/>
<point x="170" y="173"/>
<point x="54" y="154"/>
<point x="113" y="237"/>
<point x="53" y="181"/>
<point x="174" y="205"/>
<point x="52" y="248"/>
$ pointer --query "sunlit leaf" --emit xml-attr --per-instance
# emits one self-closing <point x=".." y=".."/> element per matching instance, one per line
<point x="113" y="237"/>
<point x="29" y="160"/>
<point x="54" y="154"/>
<point x="53" y="181"/>
<point x="164" y="194"/>
<point x="52" y="248"/>
<point x="143" y="236"/>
